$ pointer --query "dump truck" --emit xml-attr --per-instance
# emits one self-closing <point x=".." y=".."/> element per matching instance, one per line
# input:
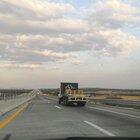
<point x="70" y="94"/>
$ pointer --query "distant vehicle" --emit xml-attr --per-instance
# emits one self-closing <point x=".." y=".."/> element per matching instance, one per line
<point x="70" y="94"/>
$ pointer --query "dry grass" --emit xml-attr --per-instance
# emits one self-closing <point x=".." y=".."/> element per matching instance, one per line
<point x="131" y="97"/>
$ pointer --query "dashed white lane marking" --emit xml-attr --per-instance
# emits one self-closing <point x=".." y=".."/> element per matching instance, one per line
<point x="58" y="107"/>
<point x="99" y="128"/>
<point x="48" y="102"/>
<point x="120" y="113"/>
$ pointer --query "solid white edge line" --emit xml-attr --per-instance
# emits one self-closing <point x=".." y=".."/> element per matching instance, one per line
<point x="99" y="128"/>
<point x="57" y="107"/>
<point x="120" y="113"/>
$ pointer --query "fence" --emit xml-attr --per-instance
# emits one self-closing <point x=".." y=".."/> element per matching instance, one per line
<point x="8" y="103"/>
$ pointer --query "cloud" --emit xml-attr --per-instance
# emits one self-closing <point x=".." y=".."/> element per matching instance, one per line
<point x="34" y="16"/>
<point x="34" y="32"/>
<point x="109" y="32"/>
<point x="10" y="65"/>
<point x="54" y="26"/>
<point x="116" y="42"/>
<point x="76" y="62"/>
<point x="114" y="13"/>
<point x="14" y="49"/>
<point x="34" y="9"/>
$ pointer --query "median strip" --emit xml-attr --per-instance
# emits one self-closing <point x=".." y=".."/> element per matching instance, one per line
<point x="12" y="116"/>
<point x="99" y="128"/>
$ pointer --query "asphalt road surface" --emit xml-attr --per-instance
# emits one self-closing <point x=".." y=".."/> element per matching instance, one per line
<point x="44" y="119"/>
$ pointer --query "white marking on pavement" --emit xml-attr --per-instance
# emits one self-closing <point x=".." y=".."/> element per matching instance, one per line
<point x="120" y="113"/>
<point x="58" y="107"/>
<point x="99" y="128"/>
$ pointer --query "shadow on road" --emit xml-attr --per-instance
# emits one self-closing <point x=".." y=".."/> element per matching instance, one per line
<point x="7" y="137"/>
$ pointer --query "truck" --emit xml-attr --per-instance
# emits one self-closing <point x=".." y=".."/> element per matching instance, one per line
<point x="69" y="94"/>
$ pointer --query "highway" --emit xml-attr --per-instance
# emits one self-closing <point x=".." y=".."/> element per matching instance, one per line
<point x="44" y="119"/>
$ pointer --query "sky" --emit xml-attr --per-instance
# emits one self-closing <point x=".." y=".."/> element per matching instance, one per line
<point x="93" y="42"/>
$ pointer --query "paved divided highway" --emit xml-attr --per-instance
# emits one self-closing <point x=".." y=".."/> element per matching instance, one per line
<point x="44" y="118"/>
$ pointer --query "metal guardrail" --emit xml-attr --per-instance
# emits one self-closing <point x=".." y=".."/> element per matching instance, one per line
<point x="7" y="104"/>
<point x="118" y="102"/>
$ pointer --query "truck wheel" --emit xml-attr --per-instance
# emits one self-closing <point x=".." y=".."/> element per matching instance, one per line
<point x="81" y="104"/>
<point x="65" y="101"/>
<point x="59" y="101"/>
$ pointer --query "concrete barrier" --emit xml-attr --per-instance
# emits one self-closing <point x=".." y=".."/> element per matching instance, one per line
<point x="119" y="102"/>
<point x="7" y="105"/>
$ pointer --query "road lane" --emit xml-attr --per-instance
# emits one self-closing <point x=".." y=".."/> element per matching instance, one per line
<point x="130" y="111"/>
<point x="112" y="109"/>
<point x="99" y="128"/>
<point x="118" y="124"/>
<point x="44" y="120"/>
<point x="58" y="107"/>
<point x="12" y="116"/>
<point x="116" y="112"/>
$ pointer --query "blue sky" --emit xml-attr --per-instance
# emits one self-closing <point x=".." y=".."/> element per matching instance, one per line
<point x="93" y="42"/>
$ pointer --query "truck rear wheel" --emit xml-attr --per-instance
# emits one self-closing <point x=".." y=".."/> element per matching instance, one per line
<point x="60" y="100"/>
<point x="65" y="101"/>
<point x="81" y="104"/>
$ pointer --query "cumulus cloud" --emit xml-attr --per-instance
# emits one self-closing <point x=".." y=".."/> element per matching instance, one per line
<point x="116" y="42"/>
<point x="10" y="65"/>
<point x="34" y="32"/>
<point x="114" y="13"/>
<point x="34" y="9"/>
<point x="14" y="49"/>
<point x="53" y="26"/>
<point x="34" y="16"/>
